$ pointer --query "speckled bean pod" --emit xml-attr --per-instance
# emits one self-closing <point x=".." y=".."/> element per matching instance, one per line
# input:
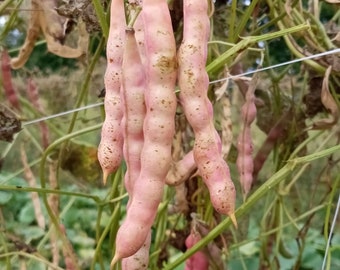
<point x="193" y="82"/>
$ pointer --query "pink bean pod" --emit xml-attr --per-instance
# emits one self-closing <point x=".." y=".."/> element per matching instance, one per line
<point x="193" y="81"/>
<point x="139" y="260"/>
<point x="245" y="162"/>
<point x="181" y="170"/>
<point x="212" y="251"/>
<point x="140" y="37"/>
<point x="198" y="261"/>
<point x="110" y="149"/>
<point x="132" y="94"/>
<point x="159" y="129"/>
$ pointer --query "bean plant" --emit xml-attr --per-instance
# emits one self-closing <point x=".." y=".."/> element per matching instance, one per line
<point x="169" y="134"/>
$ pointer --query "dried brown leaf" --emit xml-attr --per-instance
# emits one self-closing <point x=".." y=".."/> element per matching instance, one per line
<point x="329" y="103"/>
<point x="57" y="48"/>
<point x="9" y="124"/>
<point x="53" y="25"/>
<point x="336" y="38"/>
<point x="333" y="1"/>
<point x="32" y="35"/>
<point x="288" y="8"/>
<point x="43" y="15"/>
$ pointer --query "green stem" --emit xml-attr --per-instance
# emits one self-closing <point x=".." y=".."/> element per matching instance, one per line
<point x="268" y="24"/>
<point x="52" y="146"/>
<point x="315" y="156"/>
<point x="116" y="199"/>
<point x="50" y="191"/>
<point x="305" y="142"/>
<point x="86" y="82"/>
<point x="83" y="91"/>
<point x="274" y="230"/>
<point x="328" y="210"/>
<point x="335" y="17"/>
<point x="42" y="243"/>
<point x="293" y="47"/>
<point x="309" y="37"/>
<point x="161" y="222"/>
<point x="287" y="188"/>
<point x="4" y="5"/>
<point x="232" y="21"/>
<point x="54" y="220"/>
<point x="12" y="175"/>
<point x="114" y="219"/>
<point x="321" y="32"/>
<point x="4" y="246"/>
<point x="101" y="17"/>
<point x="233" y="44"/>
<point x="32" y="257"/>
<point x="11" y="20"/>
<point x="243" y="22"/>
<point x="98" y="254"/>
<point x="245" y="207"/>
<point x="33" y="140"/>
<point x="220" y="61"/>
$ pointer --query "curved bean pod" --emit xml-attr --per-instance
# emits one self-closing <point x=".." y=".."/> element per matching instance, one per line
<point x="181" y="170"/>
<point x="193" y="81"/>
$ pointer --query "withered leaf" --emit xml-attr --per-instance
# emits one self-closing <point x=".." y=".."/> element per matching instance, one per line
<point x="19" y="244"/>
<point x="329" y="103"/>
<point x="81" y="161"/>
<point x="9" y="124"/>
<point x="288" y="8"/>
<point x="333" y="1"/>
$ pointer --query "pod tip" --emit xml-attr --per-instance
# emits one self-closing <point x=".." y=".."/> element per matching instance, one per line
<point x="114" y="261"/>
<point x="233" y="219"/>
<point x="105" y="175"/>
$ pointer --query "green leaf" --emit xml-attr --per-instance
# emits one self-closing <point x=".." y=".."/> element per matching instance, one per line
<point x="5" y="197"/>
<point x="36" y="265"/>
<point x="249" y="249"/>
<point x="83" y="240"/>
<point x="86" y="253"/>
<point x="250" y="263"/>
<point x="26" y="214"/>
<point x="32" y="232"/>
<point x="311" y="259"/>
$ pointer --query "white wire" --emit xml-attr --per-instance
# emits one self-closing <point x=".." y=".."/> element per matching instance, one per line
<point x="330" y="234"/>
<point x="62" y="113"/>
<point x="278" y="65"/>
<point x="212" y="82"/>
